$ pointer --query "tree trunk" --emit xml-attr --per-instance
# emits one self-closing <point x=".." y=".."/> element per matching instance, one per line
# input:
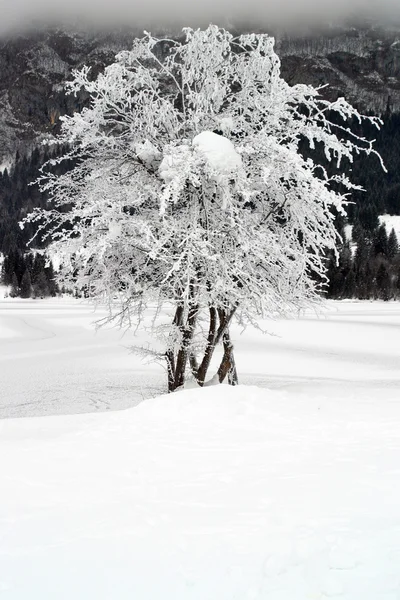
<point x="211" y="339"/>
<point x="183" y="353"/>
<point x="169" y="355"/>
<point x="218" y="331"/>
<point x="227" y="366"/>
<point x="194" y="366"/>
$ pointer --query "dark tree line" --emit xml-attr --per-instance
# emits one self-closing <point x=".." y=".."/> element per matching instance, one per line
<point x="18" y="197"/>
<point x="368" y="265"/>
<point x="382" y="195"/>
<point x="368" y="268"/>
<point x="28" y="275"/>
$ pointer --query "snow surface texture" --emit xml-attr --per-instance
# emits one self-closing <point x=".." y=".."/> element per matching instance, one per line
<point x="215" y="494"/>
<point x="52" y="361"/>
<point x="289" y="491"/>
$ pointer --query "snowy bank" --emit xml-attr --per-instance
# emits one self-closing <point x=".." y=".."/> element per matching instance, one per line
<point x="218" y="494"/>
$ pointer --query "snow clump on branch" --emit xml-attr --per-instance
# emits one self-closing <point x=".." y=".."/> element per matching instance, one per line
<point x="219" y="153"/>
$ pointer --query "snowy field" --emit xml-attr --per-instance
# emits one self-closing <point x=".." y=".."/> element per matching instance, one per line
<point x="285" y="491"/>
<point x="53" y="361"/>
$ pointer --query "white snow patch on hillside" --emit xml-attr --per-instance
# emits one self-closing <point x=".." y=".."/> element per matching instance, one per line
<point x="219" y="494"/>
<point x="348" y="232"/>
<point x="391" y="222"/>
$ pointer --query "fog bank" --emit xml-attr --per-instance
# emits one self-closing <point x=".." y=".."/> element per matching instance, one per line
<point x="22" y="14"/>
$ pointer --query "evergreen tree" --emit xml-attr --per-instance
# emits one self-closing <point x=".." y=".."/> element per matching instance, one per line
<point x="26" y="285"/>
<point x="14" y="286"/>
<point x="396" y="286"/>
<point x="6" y="273"/>
<point x="393" y="200"/>
<point x="38" y="267"/>
<point x="383" y="283"/>
<point x="51" y="279"/>
<point x="381" y="241"/>
<point x="361" y="255"/>
<point x="357" y="233"/>
<point x="41" y="286"/>
<point x="368" y="217"/>
<point x="335" y="280"/>
<point x="393" y="245"/>
<point x="365" y="283"/>
<point x="349" y="287"/>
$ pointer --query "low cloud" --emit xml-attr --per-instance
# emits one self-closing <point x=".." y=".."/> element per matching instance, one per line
<point x="20" y="14"/>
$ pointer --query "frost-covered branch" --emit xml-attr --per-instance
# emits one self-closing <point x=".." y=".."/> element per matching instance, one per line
<point x="189" y="190"/>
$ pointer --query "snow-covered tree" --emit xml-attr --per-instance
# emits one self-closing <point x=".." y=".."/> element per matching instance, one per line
<point x="189" y="190"/>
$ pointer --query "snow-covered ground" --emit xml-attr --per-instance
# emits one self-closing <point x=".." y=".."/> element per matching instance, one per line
<point x="53" y="362"/>
<point x="285" y="491"/>
<point x="391" y="222"/>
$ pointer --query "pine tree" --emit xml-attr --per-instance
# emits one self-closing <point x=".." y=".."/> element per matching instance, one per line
<point x="381" y="241"/>
<point x="361" y="254"/>
<point x="368" y="283"/>
<point x="26" y="285"/>
<point x="14" y="292"/>
<point x="383" y="283"/>
<point x="51" y="279"/>
<point x="357" y="233"/>
<point x="6" y="272"/>
<point x="349" y="287"/>
<point x="41" y="286"/>
<point x="396" y="285"/>
<point x="368" y="217"/>
<point x="39" y="264"/>
<point x="393" y="245"/>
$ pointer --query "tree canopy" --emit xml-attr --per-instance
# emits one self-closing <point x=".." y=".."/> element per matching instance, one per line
<point x="189" y="189"/>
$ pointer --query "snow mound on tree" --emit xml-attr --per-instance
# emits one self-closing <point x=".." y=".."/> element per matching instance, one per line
<point x="214" y="493"/>
<point x="219" y="152"/>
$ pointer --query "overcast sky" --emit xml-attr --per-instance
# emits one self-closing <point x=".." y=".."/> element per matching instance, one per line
<point x="20" y="13"/>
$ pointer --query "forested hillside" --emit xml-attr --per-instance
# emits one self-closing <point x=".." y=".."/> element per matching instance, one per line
<point x="362" y="64"/>
<point x="29" y="274"/>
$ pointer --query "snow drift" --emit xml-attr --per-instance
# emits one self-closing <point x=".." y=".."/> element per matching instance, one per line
<point x="216" y="493"/>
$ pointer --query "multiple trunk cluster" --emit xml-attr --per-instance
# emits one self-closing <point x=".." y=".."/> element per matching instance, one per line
<point x="218" y="332"/>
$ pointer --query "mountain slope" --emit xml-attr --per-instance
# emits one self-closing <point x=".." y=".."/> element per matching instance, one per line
<point x="363" y="64"/>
